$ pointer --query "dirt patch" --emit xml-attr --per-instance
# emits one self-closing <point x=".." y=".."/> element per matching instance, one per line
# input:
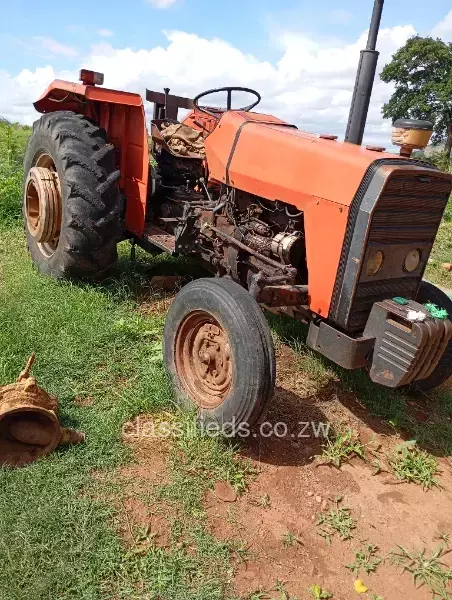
<point x="154" y="303"/>
<point x="275" y="520"/>
<point x="291" y="489"/>
<point x="142" y="521"/>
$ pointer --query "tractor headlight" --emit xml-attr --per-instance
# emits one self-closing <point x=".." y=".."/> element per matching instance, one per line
<point x="412" y="260"/>
<point x="374" y="262"/>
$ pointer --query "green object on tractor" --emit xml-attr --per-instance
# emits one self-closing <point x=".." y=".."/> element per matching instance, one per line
<point x="436" y="312"/>
<point x="400" y="300"/>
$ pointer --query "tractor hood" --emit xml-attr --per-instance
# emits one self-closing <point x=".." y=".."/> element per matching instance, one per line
<point x="270" y="158"/>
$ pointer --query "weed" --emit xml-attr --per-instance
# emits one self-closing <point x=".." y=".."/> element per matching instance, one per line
<point x="376" y="597"/>
<point x="336" y="521"/>
<point x="341" y="447"/>
<point x="318" y="593"/>
<point x="261" y="501"/>
<point x="410" y="463"/>
<point x="264" y="501"/>
<point x="365" y="559"/>
<point x="280" y="587"/>
<point x="290" y="539"/>
<point x="426" y="570"/>
<point x="444" y="537"/>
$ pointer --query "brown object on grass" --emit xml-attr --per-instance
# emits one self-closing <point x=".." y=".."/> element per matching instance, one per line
<point x="225" y="492"/>
<point x="29" y="426"/>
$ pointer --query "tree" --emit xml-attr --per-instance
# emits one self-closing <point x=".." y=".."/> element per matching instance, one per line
<point x="422" y="73"/>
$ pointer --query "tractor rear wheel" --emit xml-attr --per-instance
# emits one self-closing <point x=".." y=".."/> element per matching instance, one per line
<point x="219" y="352"/>
<point x="430" y="293"/>
<point x="72" y="204"/>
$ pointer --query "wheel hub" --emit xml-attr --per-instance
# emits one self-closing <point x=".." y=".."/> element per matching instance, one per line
<point x="203" y="359"/>
<point x="43" y="205"/>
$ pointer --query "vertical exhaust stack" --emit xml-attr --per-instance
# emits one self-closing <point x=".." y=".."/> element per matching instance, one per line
<point x="364" y="81"/>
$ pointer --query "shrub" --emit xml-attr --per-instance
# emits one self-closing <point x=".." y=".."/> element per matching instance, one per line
<point x="13" y="140"/>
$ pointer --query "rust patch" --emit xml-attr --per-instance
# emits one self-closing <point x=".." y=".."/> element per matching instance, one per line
<point x="29" y="426"/>
<point x="203" y="359"/>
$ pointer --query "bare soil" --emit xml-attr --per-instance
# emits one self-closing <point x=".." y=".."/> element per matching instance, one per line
<point x="296" y="488"/>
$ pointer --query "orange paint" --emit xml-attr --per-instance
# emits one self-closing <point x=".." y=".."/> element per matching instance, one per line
<point x="318" y="176"/>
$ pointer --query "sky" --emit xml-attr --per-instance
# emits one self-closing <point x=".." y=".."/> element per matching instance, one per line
<point x="301" y="55"/>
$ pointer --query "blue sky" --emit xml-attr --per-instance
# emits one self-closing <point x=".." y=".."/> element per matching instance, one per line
<point x="290" y="41"/>
<point x="244" y="23"/>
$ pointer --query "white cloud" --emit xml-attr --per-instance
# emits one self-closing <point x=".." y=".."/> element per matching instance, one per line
<point x="105" y="32"/>
<point x="55" y="48"/>
<point x="443" y="29"/>
<point x="19" y="92"/>
<point x="162" y="3"/>
<point x="311" y="84"/>
<point x="339" y="17"/>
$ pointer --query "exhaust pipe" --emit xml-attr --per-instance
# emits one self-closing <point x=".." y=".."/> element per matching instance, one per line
<point x="364" y="81"/>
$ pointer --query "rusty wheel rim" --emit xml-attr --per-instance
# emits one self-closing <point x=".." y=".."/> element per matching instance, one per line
<point x="203" y="359"/>
<point x="42" y="204"/>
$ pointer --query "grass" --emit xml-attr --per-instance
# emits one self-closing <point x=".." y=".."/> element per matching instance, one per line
<point x="392" y="406"/>
<point x="58" y="526"/>
<point x="343" y="445"/>
<point x="57" y="535"/>
<point x="13" y="139"/>
<point x="366" y="559"/>
<point x="197" y="461"/>
<point x="426" y="568"/>
<point x="410" y="463"/>
<point x="442" y="253"/>
<point x="336" y="521"/>
<point x="290" y="539"/>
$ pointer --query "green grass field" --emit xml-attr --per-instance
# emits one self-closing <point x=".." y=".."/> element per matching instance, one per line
<point x="60" y="526"/>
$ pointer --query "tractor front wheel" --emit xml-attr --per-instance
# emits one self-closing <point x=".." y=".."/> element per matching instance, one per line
<point x="219" y="352"/>
<point x="72" y="204"/>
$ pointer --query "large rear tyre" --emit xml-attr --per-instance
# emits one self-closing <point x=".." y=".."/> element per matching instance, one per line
<point x="430" y="293"/>
<point x="72" y="203"/>
<point x="219" y="352"/>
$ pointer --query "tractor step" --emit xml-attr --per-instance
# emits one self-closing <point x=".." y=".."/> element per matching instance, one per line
<point x="160" y="238"/>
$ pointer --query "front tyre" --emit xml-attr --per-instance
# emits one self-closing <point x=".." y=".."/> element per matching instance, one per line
<point x="72" y="204"/>
<point x="430" y="293"/>
<point x="219" y="352"/>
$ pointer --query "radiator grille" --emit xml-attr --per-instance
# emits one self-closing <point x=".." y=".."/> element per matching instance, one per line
<point x="409" y="211"/>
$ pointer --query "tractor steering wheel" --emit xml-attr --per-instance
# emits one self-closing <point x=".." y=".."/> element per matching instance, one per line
<point x="229" y="90"/>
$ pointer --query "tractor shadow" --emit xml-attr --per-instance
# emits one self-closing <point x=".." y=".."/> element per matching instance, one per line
<point x="427" y="418"/>
<point x="291" y="433"/>
<point x="131" y="279"/>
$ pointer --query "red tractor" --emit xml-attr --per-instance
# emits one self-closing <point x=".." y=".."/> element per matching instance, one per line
<point x="326" y="232"/>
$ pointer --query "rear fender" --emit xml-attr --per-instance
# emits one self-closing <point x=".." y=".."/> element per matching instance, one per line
<point x="122" y="115"/>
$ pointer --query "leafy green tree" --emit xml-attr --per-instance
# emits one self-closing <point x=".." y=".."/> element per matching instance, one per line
<point x="422" y="73"/>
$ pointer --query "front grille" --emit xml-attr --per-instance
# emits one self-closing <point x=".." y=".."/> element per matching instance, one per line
<point x="369" y="292"/>
<point x="408" y="213"/>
